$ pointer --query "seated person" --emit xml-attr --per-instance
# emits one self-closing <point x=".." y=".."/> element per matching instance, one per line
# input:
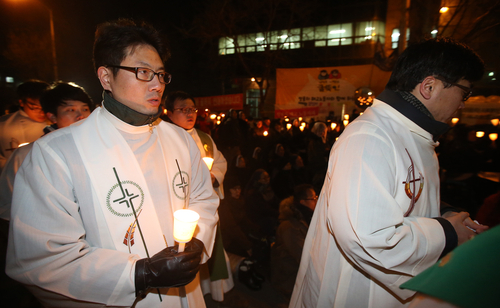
<point x="295" y="215"/>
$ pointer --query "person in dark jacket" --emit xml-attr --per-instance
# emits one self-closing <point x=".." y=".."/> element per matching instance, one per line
<point x="295" y="215"/>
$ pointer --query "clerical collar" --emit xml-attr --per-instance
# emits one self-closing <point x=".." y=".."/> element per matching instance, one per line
<point x="127" y="114"/>
<point x="410" y="110"/>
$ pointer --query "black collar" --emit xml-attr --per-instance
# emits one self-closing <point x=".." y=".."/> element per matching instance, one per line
<point x="127" y="114"/>
<point x="396" y="101"/>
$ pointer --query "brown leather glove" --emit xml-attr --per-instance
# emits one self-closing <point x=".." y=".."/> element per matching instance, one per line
<point x="168" y="268"/>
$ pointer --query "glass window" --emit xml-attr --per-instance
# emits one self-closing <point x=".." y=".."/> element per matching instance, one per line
<point x="222" y="42"/>
<point x="340" y="34"/>
<point x="250" y="39"/>
<point x="365" y="32"/>
<point x="251" y="49"/>
<point x="230" y="51"/>
<point x="241" y="39"/>
<point x="308" y="34"/>
<point x="320" y="33"/>
<point x="395" y="38"/>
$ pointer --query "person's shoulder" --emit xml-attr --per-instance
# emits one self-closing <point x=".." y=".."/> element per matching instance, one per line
<point x="6" y="117"/>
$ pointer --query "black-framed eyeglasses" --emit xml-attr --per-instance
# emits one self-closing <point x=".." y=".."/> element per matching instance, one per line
<point x="467" y="90"/>
<point x="187" y="110"/>
<point x="146" y="74"/>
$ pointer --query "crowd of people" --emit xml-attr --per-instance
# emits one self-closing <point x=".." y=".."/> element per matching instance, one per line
<point x="341" y="215"/>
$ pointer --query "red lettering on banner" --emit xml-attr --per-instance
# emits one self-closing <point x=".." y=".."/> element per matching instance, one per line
<point x="294" y="113"/>
<point x="220" y="102"/>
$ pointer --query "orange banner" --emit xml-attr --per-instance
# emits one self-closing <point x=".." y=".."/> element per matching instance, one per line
<point x="325" y="88"/>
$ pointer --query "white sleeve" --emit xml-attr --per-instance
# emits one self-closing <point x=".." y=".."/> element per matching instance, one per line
<point x="219" y="169"/>
<point x="47" y="238"/>
<point x="366" y="219"/>
<point x="203" y="200"/>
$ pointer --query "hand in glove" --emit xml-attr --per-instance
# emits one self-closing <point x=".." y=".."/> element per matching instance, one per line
<point x="168" y="268"/>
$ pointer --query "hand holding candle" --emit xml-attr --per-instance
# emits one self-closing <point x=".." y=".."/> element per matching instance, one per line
<point x="185" y="222"/>
<point x="209" y="162"/>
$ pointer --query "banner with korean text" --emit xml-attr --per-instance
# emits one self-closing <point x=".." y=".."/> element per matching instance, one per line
<point x="220" y="102"/>
<point x="314" y="92"/>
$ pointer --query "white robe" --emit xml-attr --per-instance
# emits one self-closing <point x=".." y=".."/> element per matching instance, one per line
<point x="15" y="129"/>
<point x="218" y="287"/>
<point x="58" y="245"/>
<point x="360" y="246"/>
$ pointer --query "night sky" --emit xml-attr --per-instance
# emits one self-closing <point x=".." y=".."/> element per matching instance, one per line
<point x="75" y="23"/>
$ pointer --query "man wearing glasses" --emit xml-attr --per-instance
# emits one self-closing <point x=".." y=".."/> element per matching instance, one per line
<point x="378" y="220"/>
<point x="93" y="203"/>
<point x="25" y="125"/>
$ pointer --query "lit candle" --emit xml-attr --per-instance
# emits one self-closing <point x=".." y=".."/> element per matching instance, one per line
<point x="209" y="161"/>
<point x="494" y="122"/>
<point x="479" y="134"/>
<point x="301" y="128"/>
<point x="346" y="122"/>
<point x="185" y="222"/>
<point x="493" y="136"/>
<point x="454" y="121"/>
<point x="288" y="125"/>
<point x="346" y="116"/>
<point x="265" y="133"/>
<point x="333" y="125"/>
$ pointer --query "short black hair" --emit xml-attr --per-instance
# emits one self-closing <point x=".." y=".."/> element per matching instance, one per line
<point x="60" y="92"/>
<point x="31" y="89"/>
<point x="112" y="39"/>
<point x="173" y="96"/>
<point x="442" y="57"/>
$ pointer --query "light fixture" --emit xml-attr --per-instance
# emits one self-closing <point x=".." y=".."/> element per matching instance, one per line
<point x="493" y="136"/>
<point x="494" y="121"/>
<point x="491" y="74"/>
<point x="213" y="116"/>
<point x="454" y="121"/>
<point x="444" y="9"/>
<point x="479" y="134"/>
<point x="265" y="133"/>
<point x="434" y="31"/>
<point x="253" y="79"/>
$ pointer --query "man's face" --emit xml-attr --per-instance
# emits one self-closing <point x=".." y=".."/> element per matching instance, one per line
<point x="141" y="96"/>
<point x="69" y="113"/>
<point x="33" y="109"/>
<point x="235" y="192"/>
<point x="311" y="200"/>
<point x="449" y="101"/>
<point x="184" y="120"/>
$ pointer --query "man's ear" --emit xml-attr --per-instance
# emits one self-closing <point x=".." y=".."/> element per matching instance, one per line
<point x="427" y="87"/>
<point x="105" y="74"/>
<point x="52" y="117"/>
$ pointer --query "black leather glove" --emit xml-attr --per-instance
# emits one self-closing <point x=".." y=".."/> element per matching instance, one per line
<point x="168" y="268"/>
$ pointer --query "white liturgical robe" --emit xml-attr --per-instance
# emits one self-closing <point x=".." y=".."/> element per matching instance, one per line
<point x="371" y="229"/>
<point x="61" y="244"/>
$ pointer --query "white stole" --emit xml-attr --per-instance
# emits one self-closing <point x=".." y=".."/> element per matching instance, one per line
<point x="118" y="181"/>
